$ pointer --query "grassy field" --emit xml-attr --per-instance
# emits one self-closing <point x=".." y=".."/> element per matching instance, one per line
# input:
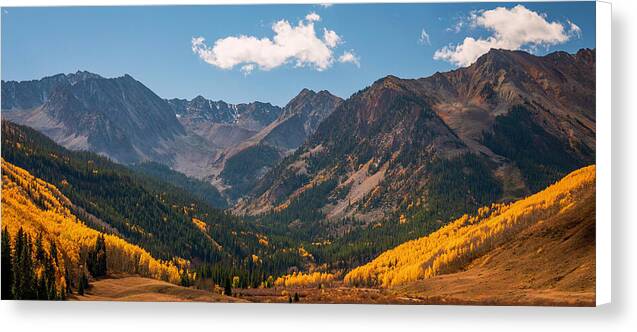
<point x="134" y="288"/>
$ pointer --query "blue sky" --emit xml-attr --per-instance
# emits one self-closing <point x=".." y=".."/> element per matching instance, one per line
<point x="154" y="44"/>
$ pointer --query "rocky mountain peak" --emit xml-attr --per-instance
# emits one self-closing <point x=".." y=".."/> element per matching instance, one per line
<point x="82" y="75"/>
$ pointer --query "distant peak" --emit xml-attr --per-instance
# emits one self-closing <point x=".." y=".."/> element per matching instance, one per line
<point x="587" y="55"/>
<point x="500" y="58"/>
<point x="325" y="93"/>
<point x="389" y="78"/>
<point x="495" y="53"/>
<point x="86" y="73"/>
<point x="82" y="75"/>
<point x="389" y="81"/>
<point x="307" y="91"/>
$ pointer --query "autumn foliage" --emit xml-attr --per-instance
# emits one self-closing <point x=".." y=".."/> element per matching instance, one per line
<point x="300" y="279"/>
<point x="39" y="208"/>
<point x="468" y="237"/>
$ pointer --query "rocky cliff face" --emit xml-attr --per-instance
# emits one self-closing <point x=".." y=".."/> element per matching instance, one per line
<point x="30" y="94"/>
<point x="242" y="165"/>
<point x="497" y="130"/>
<point x="117" y="117"/>
<point x="122" y="119"/>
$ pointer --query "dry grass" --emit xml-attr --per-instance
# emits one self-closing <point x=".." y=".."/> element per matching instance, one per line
<point x="550" y="263"/>
<point x="138" y="289"/>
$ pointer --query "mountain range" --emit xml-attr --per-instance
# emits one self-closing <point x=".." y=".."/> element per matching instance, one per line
<point x="458" y="172"/>
<point x="433" y="148"/>
<point x="504" y="127"/>
<point x="125" y="121"/>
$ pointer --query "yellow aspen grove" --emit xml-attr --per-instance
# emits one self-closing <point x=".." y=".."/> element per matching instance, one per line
<point x="40" y="208"/>
<point x="458" y="243"/>
<point x="304" y="280"/>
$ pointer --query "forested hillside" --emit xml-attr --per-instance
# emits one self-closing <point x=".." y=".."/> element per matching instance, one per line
<point x="202" y="190"/>
<point x="456" y="245"/>
<point x="163" y="219"/>
<point x="437" y="147"/>
<point x="49" y="253"/>
<point x="402" y="157"/>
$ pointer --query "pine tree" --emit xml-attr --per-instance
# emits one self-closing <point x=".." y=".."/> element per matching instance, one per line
<point x="227" y="288"/>
<point x="296" y="297"/>
<point x="67" y="281"/>
<point x="43" y="292"/>
<point x="24" y="287"/>
<point x="80" y="287"/>
<point x="7" y="266"/>
<point x="53" y="294"/>
<point x="39" y="249"/>
<point x="185" y="279"/>
<point x="82" y="283"/>
<point x="101" y="257"/>
<point x="96" y="262"/>
<point x="19" y="244"/>
<point x="62" y="295"/>
<point x="49" y="275"/>
<point x="54" y="252"/>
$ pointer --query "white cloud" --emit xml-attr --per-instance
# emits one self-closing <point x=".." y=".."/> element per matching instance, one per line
<point x="247" y="69"/>
<point x="574" y="30"/>
<point x="312" y="17"/>
<point x="457" y="27"/>
<point x="331" y="38"/>
<point x="511" y="29"/>
<point x="424" y="38"/>
<point x="349" y="56"/>
<point x="326" y="5"/>
<point x="299" y="44"/>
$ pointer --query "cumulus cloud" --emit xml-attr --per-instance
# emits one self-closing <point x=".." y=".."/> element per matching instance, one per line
<point x="326" y="5"/>
<point x="331" y="38"/>
<point x="291" y="43"/>
<point x="511" y="28"/>
<point x="312" y="17"/>
<point x="574" y="30"/>
<point x="350" y="57"/>
<point x="424" y="38"/>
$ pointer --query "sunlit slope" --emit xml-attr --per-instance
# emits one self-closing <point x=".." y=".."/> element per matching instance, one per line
<point x="456" y="245"/>
<point x="39" y="208"/>
<point x="138" y="289"/>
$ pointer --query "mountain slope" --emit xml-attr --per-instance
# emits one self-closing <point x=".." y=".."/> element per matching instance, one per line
<point x="30" y="94"/>
<point x="220" y="124"/>
<point x="250" y="116"/>
<point x="437" y="147"/>
<point x="200" y="189"/>
<point x="163" y="219"/>
<point x="39" y="209"/>
<point x="111" y="198"/>
<point x="117" y="117"/>
<point x="541" y="248"/>
<point x="245" y="163"/>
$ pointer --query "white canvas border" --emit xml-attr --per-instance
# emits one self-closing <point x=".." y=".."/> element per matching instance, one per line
<point x="603" y="105"/>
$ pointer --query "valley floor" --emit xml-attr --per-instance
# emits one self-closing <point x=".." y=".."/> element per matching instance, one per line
<point x="459" y="288"/>
<point x="139" y="289"/>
